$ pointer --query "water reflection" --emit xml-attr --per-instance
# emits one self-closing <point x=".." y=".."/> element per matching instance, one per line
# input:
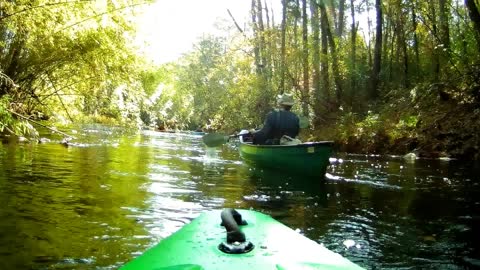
<point x="103" y="201"/>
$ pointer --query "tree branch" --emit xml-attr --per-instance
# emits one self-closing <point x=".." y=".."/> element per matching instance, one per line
<point x="235" y="22"/>
<point x="43" y="6"/>
<point x="40" y="124"/>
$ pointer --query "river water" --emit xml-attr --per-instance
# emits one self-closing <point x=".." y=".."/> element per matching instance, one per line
<point x="109" y="196"/>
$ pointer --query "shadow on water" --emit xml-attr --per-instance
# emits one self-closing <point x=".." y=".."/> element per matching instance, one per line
<point x="289" y="184"/>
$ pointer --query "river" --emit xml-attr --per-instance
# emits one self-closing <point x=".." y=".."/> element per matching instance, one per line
<point x="109" y="196"/>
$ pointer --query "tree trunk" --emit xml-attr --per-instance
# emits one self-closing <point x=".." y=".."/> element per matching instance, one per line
<point x="267" y="14"/>
<point x="333" y="50"/>
<point x="435" y="53"/>
<point x="402" y="55"/>
<point x="415" y="38"/>
<point x="353" y="41"/>
<point x="306" y="69"/>
<point x="283" y="46"/>
<point x="377" y="56"/>
<point x="269" y="44"/>
<point x="392" y="55"/>
<point x="334" y="15"/>
<point x="316" y="57"/>
<point x="460" y="28"/>
<point x="296" y="44"/>
<point x="263" y="101"/>
<point x="387" y="37"/>
<point x="402" y="52"/>
<point x="341" y="18"/>
<point x="473" y="12"/>
<point x="406" y="79"/>
<point x="261" y="29"/>
<point x="324" y="58"/>
<point x="369" y="26"/>
<point x="444" y="11"/>
<point x="338" y="17"/>
<point x="256" y="34"/>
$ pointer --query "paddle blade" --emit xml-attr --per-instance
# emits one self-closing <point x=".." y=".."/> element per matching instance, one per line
<point x="214" y="139"/>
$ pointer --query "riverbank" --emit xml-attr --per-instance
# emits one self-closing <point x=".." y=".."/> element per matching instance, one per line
<point x="432" y="121"/>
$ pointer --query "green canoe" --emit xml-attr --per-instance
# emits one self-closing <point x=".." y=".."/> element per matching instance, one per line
<point x="310" y="158"/>
<point x="242" y="239"/>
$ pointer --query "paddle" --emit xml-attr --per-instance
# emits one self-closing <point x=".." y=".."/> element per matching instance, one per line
<point x="217" y="139"/>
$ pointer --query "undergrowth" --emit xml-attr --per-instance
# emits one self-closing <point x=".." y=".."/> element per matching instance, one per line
<point x="431" y="120"/>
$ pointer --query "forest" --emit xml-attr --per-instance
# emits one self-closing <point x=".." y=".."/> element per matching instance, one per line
<point x="375" y="76"/>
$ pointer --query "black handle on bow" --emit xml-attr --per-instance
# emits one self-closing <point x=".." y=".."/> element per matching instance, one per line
<point x="236" y="241"/>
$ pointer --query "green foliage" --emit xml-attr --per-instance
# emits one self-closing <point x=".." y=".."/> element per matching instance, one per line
<point x="8" y="124"/>
<point x="211" y="88"/>
<point x="6" y="119"/>
<point x="152" y="78"/>
<point x="369" y="123"/>
<point x="69" y="58"/>
<point x="73" y="60"/>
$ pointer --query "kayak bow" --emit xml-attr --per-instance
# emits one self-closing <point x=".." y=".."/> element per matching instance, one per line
<point x="252" y="241"/>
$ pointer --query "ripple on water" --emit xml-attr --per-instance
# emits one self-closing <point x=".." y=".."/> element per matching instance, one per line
<point x="369" y="181"/>
<point x="99" y="206"/>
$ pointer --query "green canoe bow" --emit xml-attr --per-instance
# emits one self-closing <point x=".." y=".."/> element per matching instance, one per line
<point x="196" y="246"/>
<point x="310" y="158"/>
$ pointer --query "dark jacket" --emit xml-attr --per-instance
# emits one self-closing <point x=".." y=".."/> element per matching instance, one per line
<point x="277" y="124"/>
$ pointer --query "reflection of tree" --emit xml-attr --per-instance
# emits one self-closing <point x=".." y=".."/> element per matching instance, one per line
<point x="71" y="204"/>
<point x="66" y="204"/>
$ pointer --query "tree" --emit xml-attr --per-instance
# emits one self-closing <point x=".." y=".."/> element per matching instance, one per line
<point x="473" y="11"/>
<point x="315" y="24"/>
<point x="333" y="51"/>
<point x="324" y="65"/>
<point x="377" y="56"/>
<point x="353" y="53"/>
<point x="283" y="46"/>
<point x="416" y="49"/>
<point x="74" y="52"/>
<point x="305" y="56"/>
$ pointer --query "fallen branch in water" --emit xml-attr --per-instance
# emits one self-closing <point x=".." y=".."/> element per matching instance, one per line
<point x="40" y="124"/>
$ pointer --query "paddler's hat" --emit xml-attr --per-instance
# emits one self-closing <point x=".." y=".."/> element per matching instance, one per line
<point x="285" y="99"/>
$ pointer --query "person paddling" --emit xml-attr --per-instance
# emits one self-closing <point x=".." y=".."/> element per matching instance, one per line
<point x="278" y="123"/>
